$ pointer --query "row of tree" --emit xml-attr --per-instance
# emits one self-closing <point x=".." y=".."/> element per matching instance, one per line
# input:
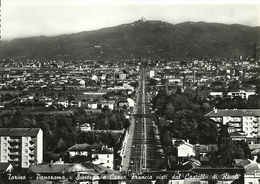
<point x="181" y="116"/>
<point x="60" y="131"/>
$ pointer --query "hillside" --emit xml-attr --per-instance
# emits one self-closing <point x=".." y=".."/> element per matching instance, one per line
<point x="146" y="39"/>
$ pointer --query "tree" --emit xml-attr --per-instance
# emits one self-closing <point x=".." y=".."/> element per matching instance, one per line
<point x="16" y="121"/>
<point x="183" y="125"/>
<point x="244" y="145"/>
<point x="178" y="90"/>
<point x="207" y="132"/>
<point x="230" y="150"/>
<point x="223" y="136"/>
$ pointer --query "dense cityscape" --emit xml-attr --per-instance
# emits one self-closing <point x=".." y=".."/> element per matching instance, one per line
<point x="135" y="120"/>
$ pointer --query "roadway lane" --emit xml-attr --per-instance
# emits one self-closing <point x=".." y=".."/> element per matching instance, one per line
<point x="152" y="145"/>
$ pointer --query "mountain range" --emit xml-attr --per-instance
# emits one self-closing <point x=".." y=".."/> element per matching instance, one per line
<point x="147" y="39"/>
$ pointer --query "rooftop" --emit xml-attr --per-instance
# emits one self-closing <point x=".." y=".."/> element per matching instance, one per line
<point x="233" y="112"/>
<point x="79" y="147"/>
<point x="20" y="132"/>
<point x="103" y="151"/>
<point x="49" y="168"/>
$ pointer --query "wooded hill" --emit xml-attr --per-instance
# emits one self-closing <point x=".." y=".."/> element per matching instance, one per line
<point x="150" y="39"/>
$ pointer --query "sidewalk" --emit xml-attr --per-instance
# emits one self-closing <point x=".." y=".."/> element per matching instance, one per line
<point x="129" y="142"/>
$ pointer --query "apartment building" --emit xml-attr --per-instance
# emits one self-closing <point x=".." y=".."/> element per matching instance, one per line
<point x="21" y="146"/>
<point x="243" y="121"/>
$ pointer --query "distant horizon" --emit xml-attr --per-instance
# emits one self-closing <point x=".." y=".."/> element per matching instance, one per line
<point x="26" y="18"/>
<point x="59" y="34"/>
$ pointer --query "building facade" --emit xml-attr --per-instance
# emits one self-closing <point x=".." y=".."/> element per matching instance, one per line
<point x="245" y="121"/>
<point x="104" y="156"/>
<point x="243" y="94"/>
<point x="21" y="146"/>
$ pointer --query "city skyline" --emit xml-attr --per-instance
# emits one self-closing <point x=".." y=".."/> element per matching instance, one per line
<point x="28" y="18"/>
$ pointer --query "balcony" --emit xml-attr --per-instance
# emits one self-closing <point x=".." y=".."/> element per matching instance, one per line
<point x="32" y="148"/>
<point x="14" y="147"/>
<point x="14" y="154"/>
<point x="14" y="141"/>
<point x="256" y="126"/>
<point x="31" y="154"/>
<point x="236" y="125"/>
<point x="31" y="160"/>
<point x="254" y="132"/>
<point x="32" y="141"/>
<point x="14" y="160"/>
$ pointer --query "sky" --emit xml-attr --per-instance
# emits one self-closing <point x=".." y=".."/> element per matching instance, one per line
<point x="27" y="18"/>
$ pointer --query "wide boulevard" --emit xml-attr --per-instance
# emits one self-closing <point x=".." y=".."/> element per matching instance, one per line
<point x="142" y="146"/>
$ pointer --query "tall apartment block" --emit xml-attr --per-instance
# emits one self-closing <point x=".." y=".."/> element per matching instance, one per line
<point x="242" y="123"/>
<point x="21" y="146"/>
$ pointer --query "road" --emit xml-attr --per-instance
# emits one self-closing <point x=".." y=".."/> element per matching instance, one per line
<point x="142" y="147"/>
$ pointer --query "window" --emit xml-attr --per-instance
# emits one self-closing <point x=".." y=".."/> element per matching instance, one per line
<point x="26" y="157"/>
<point x="250" y="182"/>
<point x="26" y="144"/>
<point x="5" y="151"/>
<point x="5" y="144"/>
<point x="5" y="157"/>
<point x="107" y="156"/>
<point x="26" y="151"/>
<point x="107" y="161"/>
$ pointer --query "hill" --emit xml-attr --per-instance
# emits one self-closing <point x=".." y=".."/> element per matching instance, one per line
<point x="140" y="39"/>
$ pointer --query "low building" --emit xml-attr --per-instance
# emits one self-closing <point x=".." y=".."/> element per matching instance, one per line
<point x="80" y="173"/>
<point x="92" y="105"/>
<point x="243" y="94"/>
<point x="64" y="103"/>
<point x="75" y="103"/>
<point x="104" y="156"/>
<point x="79" y="149"/>
<point x="109" y="103"/>
<point x="98" y="153"/>
<point x="216" y="94"/>
<point x="85" y="127"/>
<point x="184" y="149"/>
